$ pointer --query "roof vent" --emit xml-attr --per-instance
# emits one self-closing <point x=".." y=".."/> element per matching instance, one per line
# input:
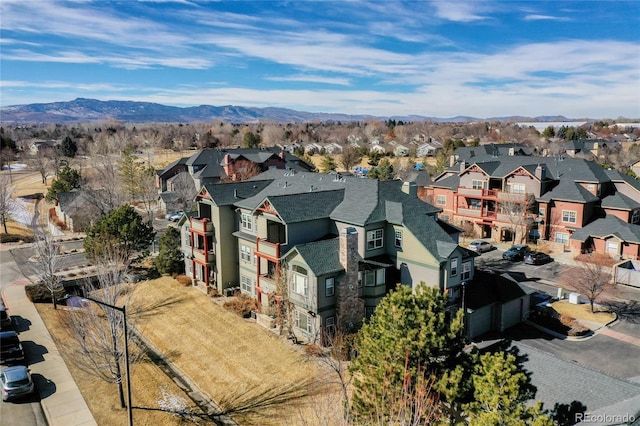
<point x="235" y="193"/>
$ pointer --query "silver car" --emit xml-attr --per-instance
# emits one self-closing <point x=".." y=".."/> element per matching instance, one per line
<point x="16" y="382"/>
<point x="480" y="246"/>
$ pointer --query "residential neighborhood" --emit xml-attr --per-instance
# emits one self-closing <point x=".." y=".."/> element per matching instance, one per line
<point x="314" y="254"/>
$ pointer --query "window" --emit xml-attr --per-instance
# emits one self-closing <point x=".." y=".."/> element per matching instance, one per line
<point x="635" y="217"/>
<point x="374" y="277"/>
<point x="612" y="247"/>
<point x="475" y="204"/>
<point x="375" y="239"/>
<point x="591" y="187"/>
<point x="300" y="284"/>
<point x="246" y="284"/>
<point x="561" y="237"/>
<point x="518" y="188"/>
<point x="399" y="239"/>
<point x="454" y="267"/>
<point x="245" y="253"/>
<point x="441" y="200"/>
<point x="247" y="222"/>
<point x="330" y="325"/>
<point x="569" y="216"/>
<point x="466" y="271"/>
<point x="329" y="287"/>
<point x="303" y="321"/>
<point x="477" y="184"/>
<point x="541" y="212"/>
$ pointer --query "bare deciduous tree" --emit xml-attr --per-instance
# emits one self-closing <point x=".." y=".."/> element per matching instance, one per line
<point x="48" y="256"/>
<point x="590" y="279"/>
<point x="185" y="190"/>
<point x="8" y="207"/>
<point x="99" y="330"/>
<point x="42" y="162"/>
<point x="350" y="158"/>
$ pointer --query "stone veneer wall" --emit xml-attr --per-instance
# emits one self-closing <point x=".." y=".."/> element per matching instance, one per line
<point x="349" y="307"/>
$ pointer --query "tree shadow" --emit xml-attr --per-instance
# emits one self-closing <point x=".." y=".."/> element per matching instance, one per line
<point x="45" y="387"/>
<point x="35" y="352"/>
<point x="625" y="310"/>
<point x="144" y="310"/>
<point x="20" y="323"/>
<point x="567" y="414"/>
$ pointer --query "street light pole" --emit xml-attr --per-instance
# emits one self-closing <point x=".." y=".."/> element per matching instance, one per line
<point x="122" y="309"/>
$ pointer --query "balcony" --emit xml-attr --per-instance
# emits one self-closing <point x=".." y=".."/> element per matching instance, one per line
<point x="512" y="197"/>
<point x="267" y="283"/>
<point x="267" y="249"/>
<point x="201" y="226"/>
<point x="204" y="257"/>
<point x="478" y="193"/>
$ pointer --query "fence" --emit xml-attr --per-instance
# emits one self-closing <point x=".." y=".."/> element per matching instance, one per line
<point x="628" y="272"/>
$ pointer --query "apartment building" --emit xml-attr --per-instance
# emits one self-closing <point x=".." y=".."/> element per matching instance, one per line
<point x="522" y="198"/>
<point x="333" y="245"/>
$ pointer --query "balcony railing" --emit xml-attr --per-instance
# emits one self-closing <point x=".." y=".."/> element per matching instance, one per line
<point x="268" y="249"/>
<point x="512" y="197"/>
<point x="477" y="193"/>
<point x="204" y="257"/>
<point x="201" y="225"/>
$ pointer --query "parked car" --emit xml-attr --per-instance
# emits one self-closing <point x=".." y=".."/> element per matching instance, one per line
<point x="175" y="216"/>
<point x="11" y="348"/>
<point x="516" y="252"/>
<point x="16" y="382"/>
<point x="537" y="258"/>
<point x="480" y="246"/>
<point x="5" y="319"/>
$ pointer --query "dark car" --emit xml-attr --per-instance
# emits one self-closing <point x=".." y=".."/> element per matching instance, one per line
<point x="16" y="382"/>
<point x="537" y="258"/>
<point x="11" y="348"/>
<point x="516" y="252"/>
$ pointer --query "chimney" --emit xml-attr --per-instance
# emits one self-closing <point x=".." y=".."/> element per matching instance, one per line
<point x="463" y="165"/>
<point x="410" y="188"/>
<point x="349" y="306"/>
<point x="540" y="172"/>
<point x="452" y="160"/>
<point x="281" y="155"/>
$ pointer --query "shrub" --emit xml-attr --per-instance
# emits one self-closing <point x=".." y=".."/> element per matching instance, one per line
<point x="314" y="350"/>
<point x="213" y="292"/>
<point x="241" y="305"/>
<point x="183" y="280"/>
<point x="39" y="293"/>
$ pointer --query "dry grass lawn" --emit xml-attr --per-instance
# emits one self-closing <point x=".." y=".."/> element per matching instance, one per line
<point x="583" y="312"/>
<point x="252" y="373"/>
<point x="147" y="383"/>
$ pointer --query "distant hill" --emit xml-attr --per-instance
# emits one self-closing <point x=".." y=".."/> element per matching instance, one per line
<point x="84" y="110"/>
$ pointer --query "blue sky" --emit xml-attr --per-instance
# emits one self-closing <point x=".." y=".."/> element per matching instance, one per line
<point x="431" y="58"/>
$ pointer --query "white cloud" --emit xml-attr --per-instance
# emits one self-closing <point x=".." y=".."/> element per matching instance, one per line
<point x="460" y="11"/>
<point x="534" y="17"/>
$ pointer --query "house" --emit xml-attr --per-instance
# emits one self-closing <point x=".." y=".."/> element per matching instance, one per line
<point x="635" y="166"/>
<point x="337" y="243"/>
<point x="515" y="197"/>
<point x="428" y="149"/>
<point x="214" y="165"/>
<point x="333" y="148"/>
<point x="77" y="209"/>
<point x="401" y="151"/>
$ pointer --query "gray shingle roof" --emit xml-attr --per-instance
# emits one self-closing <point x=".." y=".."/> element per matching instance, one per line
<point x="610" y="225"/>
<point x="620" y="201"/>
<point x="322" y="257"/>
<point x="305" y="206"/>
<point x="562" y="381"/>
<point x="568" y="190"/>
<point x="224" y="194"/>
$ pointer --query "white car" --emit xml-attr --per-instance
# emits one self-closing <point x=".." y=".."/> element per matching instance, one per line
<point x="175" y="216"/>
<point x="480" y="246"/>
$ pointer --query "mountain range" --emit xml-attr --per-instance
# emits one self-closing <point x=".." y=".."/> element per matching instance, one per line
<point x="87" y="110"/>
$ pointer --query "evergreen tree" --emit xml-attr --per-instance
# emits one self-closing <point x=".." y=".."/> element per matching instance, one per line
<point x="124" y="225"/>
<point x="409" y="337"/>
<point x="69" y="147"/>
<point x="170" y="258"/>
<point x="549" y="132"/>
<point x="66" y="180"/>
<point x="501" y="391"/>
<point x="251" y="140"/>
<point x="327" y="164"/>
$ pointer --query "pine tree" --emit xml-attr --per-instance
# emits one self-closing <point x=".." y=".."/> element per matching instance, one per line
<point x="501" y="391"/>
<point x="170" y="256"/>
<point x="66" y="180"/>
<point x="409" y="339"/>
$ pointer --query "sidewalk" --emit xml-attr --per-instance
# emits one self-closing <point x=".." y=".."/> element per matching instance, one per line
<point x="61" y="399"/>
